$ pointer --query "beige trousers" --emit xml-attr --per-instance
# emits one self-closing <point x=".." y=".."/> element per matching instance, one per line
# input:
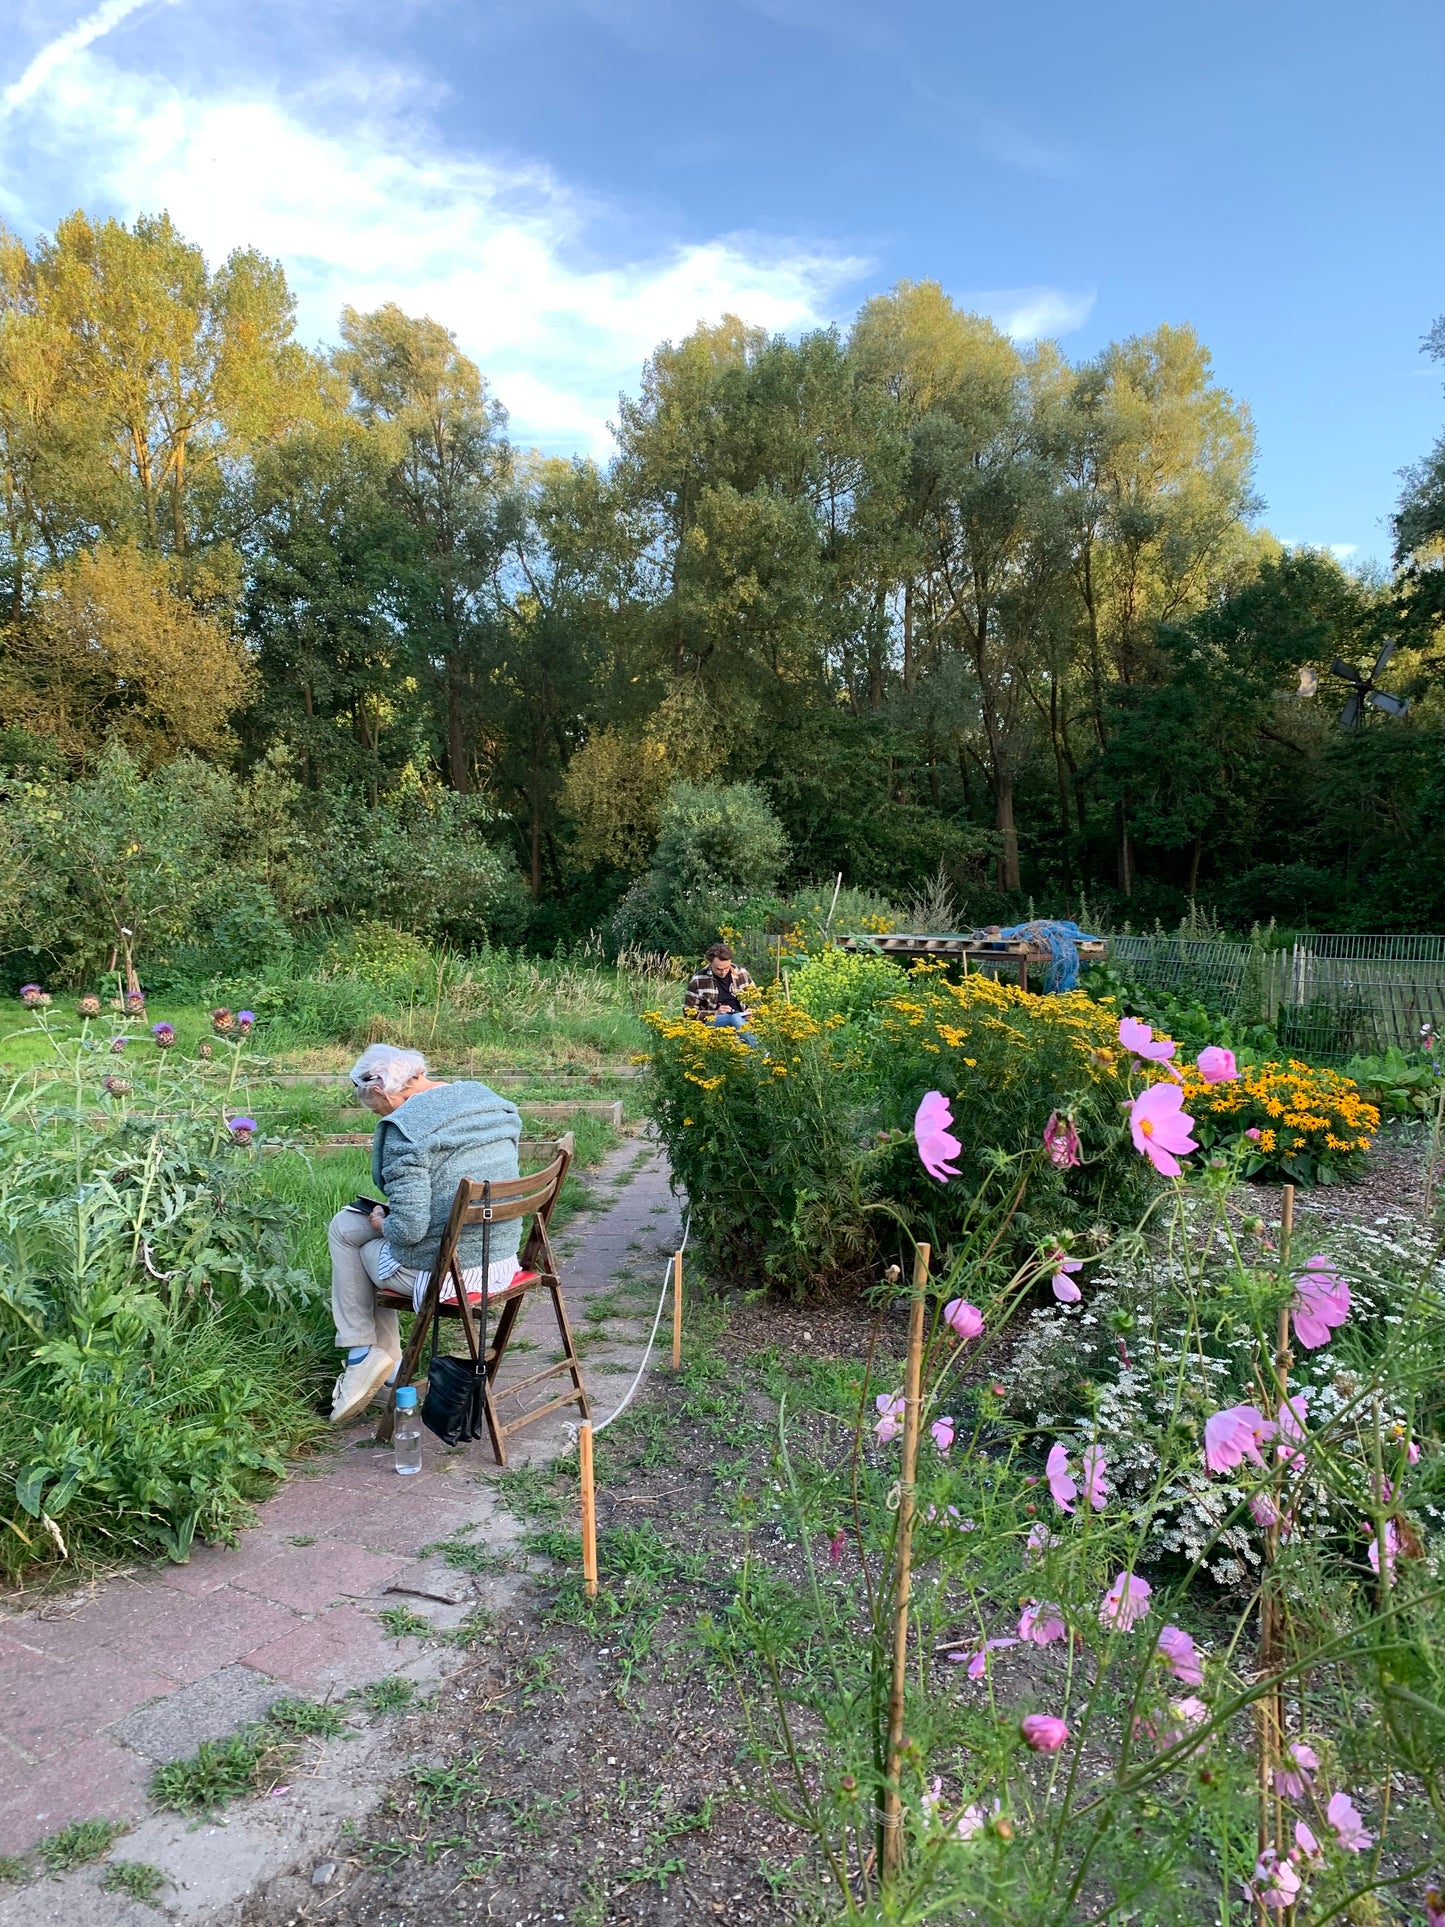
<point x="355" y="1247"/>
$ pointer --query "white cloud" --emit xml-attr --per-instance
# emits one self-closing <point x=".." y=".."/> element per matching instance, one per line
<point x="1032" y="314"/>
<point x="360" y="208"/>
<point x="1342" y="551"/>
<point x="65" y="47"/>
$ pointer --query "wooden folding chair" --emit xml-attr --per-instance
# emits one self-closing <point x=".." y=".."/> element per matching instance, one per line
<point x="488" y="1202"/>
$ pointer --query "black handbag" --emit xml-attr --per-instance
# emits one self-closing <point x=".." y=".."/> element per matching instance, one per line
<point x="452" y="1407"/>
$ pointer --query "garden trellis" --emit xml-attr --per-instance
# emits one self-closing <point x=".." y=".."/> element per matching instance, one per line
<point x="1327" y="995"/>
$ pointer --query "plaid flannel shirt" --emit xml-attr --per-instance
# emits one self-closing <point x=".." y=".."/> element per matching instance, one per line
<point x="700" y="998"/>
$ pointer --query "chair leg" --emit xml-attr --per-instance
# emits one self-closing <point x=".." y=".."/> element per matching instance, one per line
<point x="574" y="1363"/>
<point x="406" y="1371"/>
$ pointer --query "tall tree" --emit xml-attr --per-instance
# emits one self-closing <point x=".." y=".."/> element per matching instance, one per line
<point x="452" y="466"/>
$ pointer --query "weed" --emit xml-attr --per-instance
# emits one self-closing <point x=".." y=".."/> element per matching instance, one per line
<point x="442" y="1789"/>
<point x="13" y="1869"/>
<point x="304" y="1539"/>
<point x="659" y="1870"/>
<point x="308" y="1719"/>
<point x="477" y="1628"/>
<point x="394" y="1694"/>
<point x="82" y="1840"/>
<point x="528" y="1818"/>
<point x="218" y="1772"/>
<point x="463" y="1556"/>
<point x="400" y="1622"/>
<point x="136" y="1879"/>
<point x="528" y="1492"/>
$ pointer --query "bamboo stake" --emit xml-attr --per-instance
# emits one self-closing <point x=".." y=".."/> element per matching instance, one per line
<point x="1271" y="1735"/>
<point x="892" y="1857"/>
<point x="677" y="1311"/>
<point x="589" y="1509"/>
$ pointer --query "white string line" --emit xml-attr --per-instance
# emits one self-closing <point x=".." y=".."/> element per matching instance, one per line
<point x="667" y="1278"/>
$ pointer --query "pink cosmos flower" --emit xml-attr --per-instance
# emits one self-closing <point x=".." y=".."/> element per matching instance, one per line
<point x="935" y="1140"/>
<point x="1293" y="1412"/>
<point x="1039" y="1541"/>
<point x="1181" y="1656"/>
<point x="1061" y="1141"/>
<point x="1434" y="1907"/>
<point x="1216" y="1065"/>
<point x="1306" y="1847"/>
<point x="1234" y="1435"/>
<point x="933" y="1799"/>
<point x="1095" y="1465"/>
<point x="964" y="1320"/>
<point x="1344" y="1817"/>
<point x="1276" y="1883"/>
<point x="942" y="1432"/>
<point x="890" y="1420"/>
<point x="1191" y="1709"/>
<point x="1043" y="1732"/>
<point x="1263" y="1510"/>
<point x="977" y="1661"/>
<point x="1392" y="1546"/>
<point x="1056" y="1470"/>
<point x="974" y="1819"/>
<point x="1293" y="1778"/>
<point x="1040" y="1625"/>
<point x="1254" y="1134"/>
<point x="1126" y="1601"/>
<point x="836" y="1547"/>
<point x="1160" y="1127"/>
<point x="1322" y="1301"/>
<point x="1065" y="1290"/>
<point x="1139" y="1039"/>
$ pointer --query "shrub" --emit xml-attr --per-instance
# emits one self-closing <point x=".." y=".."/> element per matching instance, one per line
<point x="720" y="851"/>
<point x="788" y="1152"/>
<point x="159" y="1348"/>
<point x="1314" y="1126"/>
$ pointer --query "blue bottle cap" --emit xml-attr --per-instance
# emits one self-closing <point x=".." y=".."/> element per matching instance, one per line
<point x="406" y="1398"/>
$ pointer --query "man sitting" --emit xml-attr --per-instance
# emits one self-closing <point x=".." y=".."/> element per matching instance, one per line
<point x="431" y="1133"/>
<point x="717" y="993"/>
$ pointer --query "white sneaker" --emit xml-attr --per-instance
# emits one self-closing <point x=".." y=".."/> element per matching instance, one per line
<point x="359" y="1384"/>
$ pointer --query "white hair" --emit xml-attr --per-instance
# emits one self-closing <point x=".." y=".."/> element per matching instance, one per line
<point x="384" y="1067"/>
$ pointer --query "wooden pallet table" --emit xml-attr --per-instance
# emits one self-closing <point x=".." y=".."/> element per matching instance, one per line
<point x="976" y="948"/>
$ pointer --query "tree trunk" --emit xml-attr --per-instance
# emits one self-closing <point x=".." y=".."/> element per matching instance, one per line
<point x="908" y="634"/>
<point x="1003" y="819"/>
<point x="536" y="840"/>
<point x="457" y="766"/>
<point x="1194" y="867"/>
<point x="1126" y="853"/>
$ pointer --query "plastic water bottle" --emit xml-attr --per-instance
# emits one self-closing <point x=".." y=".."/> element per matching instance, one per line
<point x="406" y="1432"/>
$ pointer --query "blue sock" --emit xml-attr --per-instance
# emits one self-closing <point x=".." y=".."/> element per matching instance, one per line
<point x="356" y="1354"/>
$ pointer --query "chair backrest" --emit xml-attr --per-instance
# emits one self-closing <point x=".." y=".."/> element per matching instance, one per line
<point x="495" y="1200"/>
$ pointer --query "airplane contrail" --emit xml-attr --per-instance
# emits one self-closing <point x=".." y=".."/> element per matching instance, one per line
<point x="64" y="47"/>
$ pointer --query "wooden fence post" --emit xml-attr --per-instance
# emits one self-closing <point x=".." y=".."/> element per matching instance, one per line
<point x="892" y="1854"/>
<point x="677" y="1311"/>
<point x="589" y="1509"/>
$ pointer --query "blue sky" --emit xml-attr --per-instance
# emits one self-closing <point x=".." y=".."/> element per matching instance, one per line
<point x="565" y="182"/>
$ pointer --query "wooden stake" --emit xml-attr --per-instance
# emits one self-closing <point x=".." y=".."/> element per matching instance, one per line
<point x="892" y="1855"/>
<point x="589" y="1509"/>
<point x="677" y="1311"/>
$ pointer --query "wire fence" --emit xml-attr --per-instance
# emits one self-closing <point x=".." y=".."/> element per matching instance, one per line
<point x="1326" y="996"/>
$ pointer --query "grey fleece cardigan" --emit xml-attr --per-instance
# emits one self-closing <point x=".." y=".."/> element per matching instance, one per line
<point x="422" y="1152"/>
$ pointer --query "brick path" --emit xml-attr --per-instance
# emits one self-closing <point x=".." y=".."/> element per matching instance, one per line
<point x="97" y="1687"/>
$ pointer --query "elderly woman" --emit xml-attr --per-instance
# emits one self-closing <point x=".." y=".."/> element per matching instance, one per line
<point x="432" y="1133"/>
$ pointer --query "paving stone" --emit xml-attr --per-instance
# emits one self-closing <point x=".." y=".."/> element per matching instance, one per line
<point x="92" y="1780"/>
<point x="423" y="1525"/>
<point x="306" y="1578"/>
<point x="115" y="1615"/>
<point x="340" y="1648"/>
<point x="172" y="1728"/>
<point x="48" y="1705"/>
<point x="213" y="1566"/>
<point x="197" y="1637"/>
<point x="445" y="1583"/>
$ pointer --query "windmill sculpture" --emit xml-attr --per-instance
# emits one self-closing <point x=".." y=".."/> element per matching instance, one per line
<point x="1364" y="691"/>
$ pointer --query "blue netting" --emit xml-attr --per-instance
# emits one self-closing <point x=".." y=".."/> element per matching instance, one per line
<point x="1062" y="941"/>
